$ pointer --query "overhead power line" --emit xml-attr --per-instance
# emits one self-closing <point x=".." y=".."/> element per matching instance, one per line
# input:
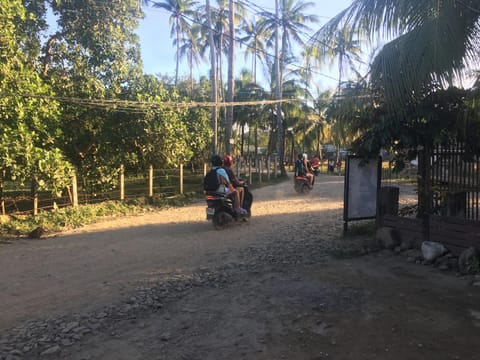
<point x="143" y="106"/>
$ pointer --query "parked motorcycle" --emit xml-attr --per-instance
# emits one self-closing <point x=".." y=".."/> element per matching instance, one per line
<point x="301" y="185"/>
<point x="220" y="209"/>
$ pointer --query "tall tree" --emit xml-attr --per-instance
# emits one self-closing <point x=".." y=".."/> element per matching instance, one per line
<point x="180" y="11"/>
<point x="345" y="50"/>
<point x="231" y="77"/>
<point x="94" y="54"/>
<point x="290" y="23"/>
<point x="248" y="116"/>
<point x="29" y="117"/>
<point x="213" y="77"/>
<point x="431" y="42"/>
<point x="254" y="41"/>
<point x="191" y="51"/>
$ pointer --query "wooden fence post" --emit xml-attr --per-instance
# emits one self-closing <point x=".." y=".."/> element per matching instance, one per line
<point x="2" y="199"/>
<point x="122" y="183"/>
<point x="250" y="170"/>
<point x="245" y="167"/>
<point x="268" y="167"/>
<point x="150" y="181"/>
<point x="259" y="162"/>
<point x="181" y="178"/>
<point x="275" y="166"/>
<point x="34" y="190"/>
<point x="74" y="190"/>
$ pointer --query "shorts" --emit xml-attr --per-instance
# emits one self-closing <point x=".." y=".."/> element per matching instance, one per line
<point x="224" y="189"/>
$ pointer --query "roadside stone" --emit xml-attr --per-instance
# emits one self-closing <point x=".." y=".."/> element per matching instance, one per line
<point x="165" y="337"/>
<point x="66" y="342"/>
<point x="69" y="327"/>
<point x="16" y="352"/>
<point x="51" y="350"/>
<point x="468" y="261"/>
<point x="387" y="238"/>
<point x="432" y="250"/>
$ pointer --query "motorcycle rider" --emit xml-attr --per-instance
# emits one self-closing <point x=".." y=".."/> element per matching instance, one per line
<point x="302" y="169"/>
<point x="315" y="164"/>
<point x="225" y="184"/>
<point x="237" y="183"/>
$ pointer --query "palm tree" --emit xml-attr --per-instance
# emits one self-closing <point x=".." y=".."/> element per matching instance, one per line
<point x="180" y="10"/>
<point x="248" y="116"/>
<point x="223" y="18"/>
<point x="190" y="50"/>
<point x="432" y="42"/>
<point x="292" y="25"/>
<point x="345" y="49"/>
<point x="254" y="41"/>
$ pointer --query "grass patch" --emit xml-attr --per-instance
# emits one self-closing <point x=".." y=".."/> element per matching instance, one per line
<point x="66" y="218"/>
<point x="362" y="228"/>
<point x="69" y="217"/>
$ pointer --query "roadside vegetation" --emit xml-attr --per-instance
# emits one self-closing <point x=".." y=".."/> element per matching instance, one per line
<point x="66" y="218"/>
<point x="75" y="101"/>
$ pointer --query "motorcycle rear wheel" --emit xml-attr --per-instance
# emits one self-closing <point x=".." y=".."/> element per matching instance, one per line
<point x="305" y="189"/>
<point x="220" y="220"/>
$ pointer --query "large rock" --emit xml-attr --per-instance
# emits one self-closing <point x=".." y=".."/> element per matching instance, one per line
<point x="387" y="237"/>
<point x="37" y="233"/>
<point x="432" y="250"/>
<point x="469" y="261"/>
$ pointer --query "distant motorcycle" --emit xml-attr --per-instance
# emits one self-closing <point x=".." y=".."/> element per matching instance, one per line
<point x="220" y="209"/>
<point x="301" y="185"/>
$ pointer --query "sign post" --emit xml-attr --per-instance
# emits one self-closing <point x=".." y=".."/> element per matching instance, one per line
<point x="362" y="184"/>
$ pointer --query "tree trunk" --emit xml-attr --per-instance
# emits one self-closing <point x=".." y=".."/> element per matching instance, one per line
<point x="278" y="92"/>
<point x="231" y="79"/>
<point x="177" y="63"/>
<point x="213" y="79"/>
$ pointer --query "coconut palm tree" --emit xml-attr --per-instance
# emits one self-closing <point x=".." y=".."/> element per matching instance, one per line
<point x="345" y="50"/>
<point x="180" y="26"/>
<point x="291" y="22"/>
<point x="432" y="42"/>
<point x="248" y="116"/>
<point x="294" y="20"/>
<point x="191" y="51"/>
<point x="254" y="41"/>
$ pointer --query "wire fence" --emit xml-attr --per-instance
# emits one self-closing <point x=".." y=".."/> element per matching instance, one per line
<point x="131" y="185"/>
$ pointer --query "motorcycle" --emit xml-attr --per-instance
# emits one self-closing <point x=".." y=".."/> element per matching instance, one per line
<point x="301" y="185"/>
<point x="220" y="209"/>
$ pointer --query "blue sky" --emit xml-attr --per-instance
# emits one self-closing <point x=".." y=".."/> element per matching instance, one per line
<point x="158" y="53"/>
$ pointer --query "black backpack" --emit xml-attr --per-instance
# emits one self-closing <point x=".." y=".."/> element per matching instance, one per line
<point x="211" y="182"/>
<point x="299" y="168"/>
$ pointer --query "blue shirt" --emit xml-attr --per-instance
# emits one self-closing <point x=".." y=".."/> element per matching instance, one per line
<point x="221" y="172"/>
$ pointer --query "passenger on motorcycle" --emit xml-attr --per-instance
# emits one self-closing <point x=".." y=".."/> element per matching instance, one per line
<point x="315" y="164"/>
<point x="237" y="183"/>
<point x="302" y="169"/>
<point x="225" y="184"/>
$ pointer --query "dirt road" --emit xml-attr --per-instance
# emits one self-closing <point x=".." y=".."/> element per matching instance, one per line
<point x="286" y="285"/>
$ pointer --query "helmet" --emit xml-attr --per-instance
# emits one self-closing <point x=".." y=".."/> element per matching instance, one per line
<point x="227" y="160"/>
<point x="216" y="160"/>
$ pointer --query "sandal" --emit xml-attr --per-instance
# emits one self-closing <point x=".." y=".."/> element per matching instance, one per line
<point x="241" y="211"/>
